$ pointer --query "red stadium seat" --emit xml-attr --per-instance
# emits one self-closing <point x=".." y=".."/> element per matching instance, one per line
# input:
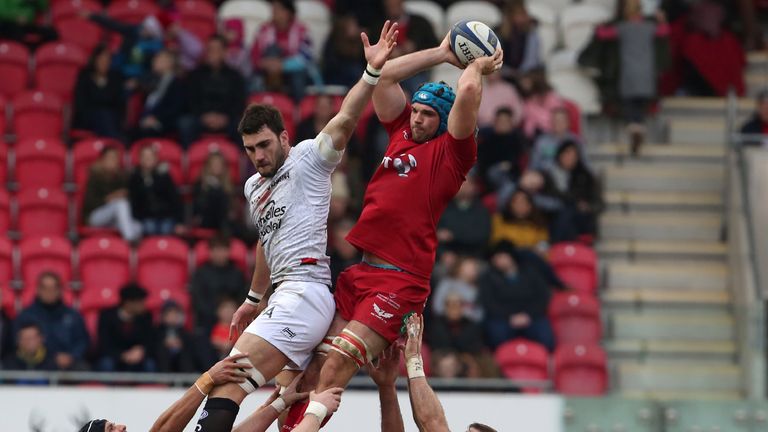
<point x="43" y="253"/>
<point x="5" y="213"/>
<point x="14" y="68"/>
<point x="580" y="370"/>
<point x="163" y="269"/>
<point x="85" y="153"/>
<point x="521" y="359"/>
<point x="575" y="318"/>
<point x="198" y="153"/>
<point x="40" y="163"/>
<point x="42" y="212"/>
<point x="168" y="151"/>
<point x="198" y="17"/>
<point x="576" y="265"/>
<point x="7" y="295"/>
<point x="283" y="103"/>
<point x="3" y="154"/>
<point x="307" y="105"/>
<point x="132" y="11"/>
<point x="37" y="114"/>
<point x="238" y="253"/>
<point x="72" y="27"/>
<point x="104" y="268"/>
<point x="57" y="65"/>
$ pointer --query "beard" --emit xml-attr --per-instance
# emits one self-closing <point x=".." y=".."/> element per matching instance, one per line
<point x="280" y="157"/>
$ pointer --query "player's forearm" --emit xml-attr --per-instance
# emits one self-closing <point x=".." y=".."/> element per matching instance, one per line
<point x="404" y="67"/>
<point x="463" y="117"/>
<point x="176" y="417"/>
<point x="391" y="418"/>
<point x="342" y="125"/>
<point x="259" y="421"/>
<point x="427" y="410"/>
<point x="310" y="423"/>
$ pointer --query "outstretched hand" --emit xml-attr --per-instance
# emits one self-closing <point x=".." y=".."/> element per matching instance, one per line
<point x="414" y="331"/>
<point x="377" y="55"/>
<point x="387" y="366"/>
<point x="330" y="398"/>
<point x="229" y="370"/>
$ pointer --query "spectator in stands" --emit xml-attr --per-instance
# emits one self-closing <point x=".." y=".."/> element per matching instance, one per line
<point x="515" y="299"/>
<point x="540" y="187"/>
<point x="140" y="42"/>
<point x="31" y="353"/>
<point x="519" y="39"/>
<point x="758" y="123"/>
<point x="6" y="334"/>
<point x="520" y="223"/>
<point x="462" y="282"/>
<point x="155" y="200"/>
<point x="540" y="101"/>
<point x="368" y="14"/>
<point x="580" y="192"/>
<point x="233" y="32"/>
<point x="452" y="365"/>
<point x="19" y="22"/>
<point x="66" y="338"/>
<point x="213" y="195"/>
<point x="217" y="278"/>
<point x="177" y="349"/>
<point x="99" y="97"/>
<point x="105" y="203"/>
<point x="165" y="98"/>
<point x="497" y="94"/>
<point x="465" y="226"/>
<point x="342" y="53"/>
<point x="215" y="96"/>
<point x="501" y="149"/>
<point x="219" y="337"/>
<point x="415" y="34"/>
<point x="126" y="334"/>
<point x="342" y="253"/>
<point x="546" y="145"/>
<point x="282" y="52"/>
<point x="309" y="127"/>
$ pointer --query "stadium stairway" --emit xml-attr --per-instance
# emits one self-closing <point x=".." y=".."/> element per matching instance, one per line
<point x="668" y="311"/>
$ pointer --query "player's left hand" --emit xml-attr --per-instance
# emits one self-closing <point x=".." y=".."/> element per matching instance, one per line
<point x="490" y="64"/>
<point x="240" y="320"/>
<point x="448" y="54"/>
<point x="291" y="395"/>
<point x="228" y="370"/>
<point x="387" y="367"/>
<point x="414" y="330"/>
<point x="377" y="55"/>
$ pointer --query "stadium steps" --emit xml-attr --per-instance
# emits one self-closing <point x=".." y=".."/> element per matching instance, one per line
<point x="698" y="226"/>
<point x="659" y="200"/>
<point x="650" y="300"/>
<point x="668" y="275"/>
<point x="630" y="250"/>
<point x="675" y="380"/>
<point x="642" y="350"/>
<point x="672" y="326"/>
<point x="651" y="152"/>
<point x="663" y="178"/>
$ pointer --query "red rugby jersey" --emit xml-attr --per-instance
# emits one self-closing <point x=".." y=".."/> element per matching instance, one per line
<point x="407" y="195"/>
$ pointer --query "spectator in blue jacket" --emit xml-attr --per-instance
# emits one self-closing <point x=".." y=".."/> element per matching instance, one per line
<point x="63" y="328"/>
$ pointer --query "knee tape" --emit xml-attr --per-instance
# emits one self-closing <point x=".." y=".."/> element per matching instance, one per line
<point x="353" y="346"/>
<point x="255" y="380"/>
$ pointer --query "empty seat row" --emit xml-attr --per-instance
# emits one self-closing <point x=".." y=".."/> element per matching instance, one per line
<point x="575" y="369"/>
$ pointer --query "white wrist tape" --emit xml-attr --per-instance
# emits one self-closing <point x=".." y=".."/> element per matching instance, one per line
<point x="279" y="405"/>
<point x="253" y="298"/>
<point x="371" y="75"/>
<point x="317" y="409"/>
<point x="415" y="367"/>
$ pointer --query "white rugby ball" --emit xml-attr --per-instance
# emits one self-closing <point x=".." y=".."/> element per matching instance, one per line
<point x="471" y="40"/>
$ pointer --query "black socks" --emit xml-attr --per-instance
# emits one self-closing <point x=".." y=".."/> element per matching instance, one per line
<point x="218" y="415"/>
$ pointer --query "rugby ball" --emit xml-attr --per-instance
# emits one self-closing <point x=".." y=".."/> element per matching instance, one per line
<point x="471" y="40"/>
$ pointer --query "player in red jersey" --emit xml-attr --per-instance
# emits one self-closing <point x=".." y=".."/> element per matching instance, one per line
<point x="432" y="147"/>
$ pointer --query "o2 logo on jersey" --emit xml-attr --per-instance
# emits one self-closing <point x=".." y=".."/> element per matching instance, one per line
<point x="270" y="219"/>
<point x="403" y="163"/>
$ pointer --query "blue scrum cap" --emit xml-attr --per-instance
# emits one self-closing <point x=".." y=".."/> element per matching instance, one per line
<point x="440" y="97"/>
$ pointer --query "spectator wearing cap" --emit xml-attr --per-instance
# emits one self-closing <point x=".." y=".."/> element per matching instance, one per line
<point x="515" y="299"/>
<point x="282" y="52"/>
<point x="99" y="97"/>
<point x="155" y="200"/>
<point x="63" y="328"/>
<point x="177" y="349"/>
<point x="758" y="123"/>
<point x="126" y="334"/>
<point x="465" y="226"/>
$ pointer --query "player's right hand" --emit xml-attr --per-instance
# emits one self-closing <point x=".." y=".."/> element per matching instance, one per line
<point x="414" y="331"/>
<point x="228" y="370"/>
<point x="331" y="398"/>
<point x="240" y="320"/>
<point x="490" y="64"/>
<point x="448" y="55"/>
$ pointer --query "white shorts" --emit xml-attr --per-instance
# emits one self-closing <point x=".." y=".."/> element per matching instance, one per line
<point x="296" y="320"/>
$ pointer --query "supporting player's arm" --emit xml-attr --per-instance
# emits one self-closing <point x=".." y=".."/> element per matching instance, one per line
<point x="342" y="126"/>
<point x="263" y="417"/>
<point x="320" y="405"/>
<point x="261" y="286"/>
<point x="389" y="99"/>
<point x="427" y="411"/>
<point x="384" y="374"/>
<point x="176" y="417"/>
<point x="462" y="120"/>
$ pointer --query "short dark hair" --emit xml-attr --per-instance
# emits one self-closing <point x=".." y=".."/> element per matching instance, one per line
<point x="219" y="240"/>
<point x="49" y="274"/>
<point x="106" y="149"/>
<point x="257" y="116"/>
<point x="28" y="324"/>
<point x="481" y="427"/>
<point x="132" y="291"/>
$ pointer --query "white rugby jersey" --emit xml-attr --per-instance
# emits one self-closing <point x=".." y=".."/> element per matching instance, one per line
<point x="290" y="210"/>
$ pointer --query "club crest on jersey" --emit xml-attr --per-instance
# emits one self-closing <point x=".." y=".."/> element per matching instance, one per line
<point x="403" y="163"/>
<point x="381" y="313"/>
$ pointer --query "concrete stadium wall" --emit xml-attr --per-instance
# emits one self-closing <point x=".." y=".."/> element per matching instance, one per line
<point x="62" y="409"/>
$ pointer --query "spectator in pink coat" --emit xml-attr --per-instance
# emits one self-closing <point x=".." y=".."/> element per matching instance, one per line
<point x="540" y="101"/>
<point x="498" y="93"/>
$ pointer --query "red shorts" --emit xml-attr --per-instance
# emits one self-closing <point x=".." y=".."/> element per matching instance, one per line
<point x="380" y="298"/>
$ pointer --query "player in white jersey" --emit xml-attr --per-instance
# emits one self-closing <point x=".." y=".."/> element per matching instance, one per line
<point x="289" y="199"/>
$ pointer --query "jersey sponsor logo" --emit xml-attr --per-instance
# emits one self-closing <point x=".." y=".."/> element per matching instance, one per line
<point x="380" y="313"/>
<point x="390" y="300"/>
<point x="403" y="163"/>
<point x="270" y="219"/>
<point x="288" y="332"/>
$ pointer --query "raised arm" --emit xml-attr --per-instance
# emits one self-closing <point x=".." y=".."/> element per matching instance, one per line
<point x="384" y="374"/>
<point x="389" y="99"/>
<point x="427" y="411"/>
<point x="462" y="120"/>
<point x="342" y="126"/>
<point x="176" y="417"/>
